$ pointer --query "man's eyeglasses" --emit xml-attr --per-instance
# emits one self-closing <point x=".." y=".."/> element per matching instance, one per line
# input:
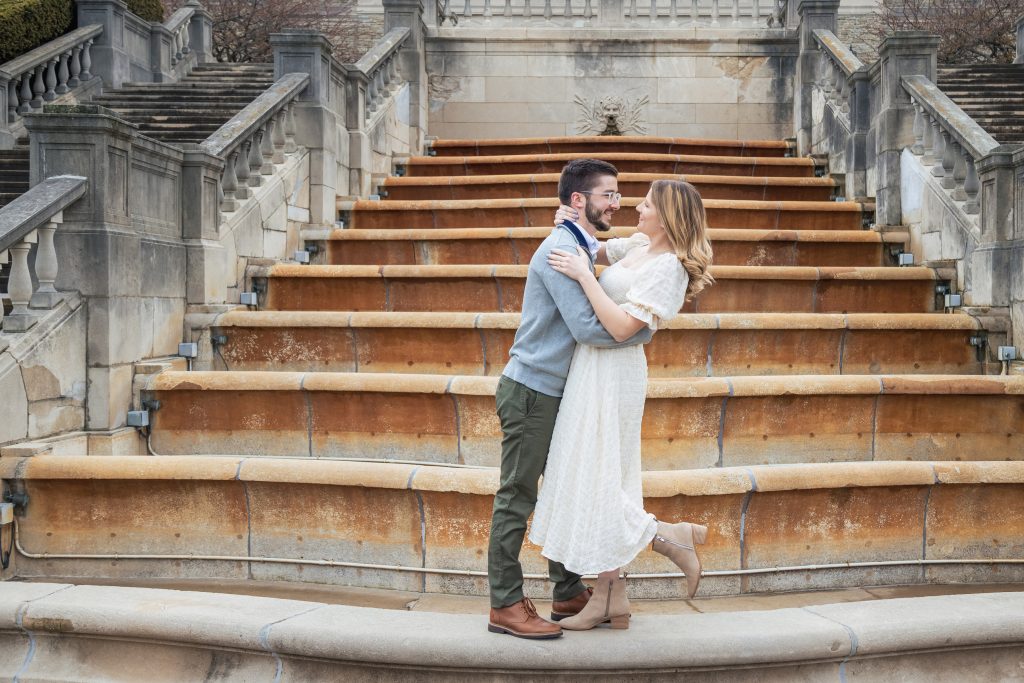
<point x="613" y="197"/>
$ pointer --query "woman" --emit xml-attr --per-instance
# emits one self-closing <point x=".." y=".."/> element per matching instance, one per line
<point x="590" y="514"/>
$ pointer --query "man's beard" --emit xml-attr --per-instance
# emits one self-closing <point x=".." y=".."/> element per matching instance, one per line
<point x="595" y="217"/>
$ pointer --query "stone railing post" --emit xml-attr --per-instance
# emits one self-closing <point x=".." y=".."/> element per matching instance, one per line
<point x="316" y="114"/>
<point x="611" y="13"/>
<point x="409" y="13"/>
<point x="161" y="50"/>
<point x="360" y="153"/>
<point x="857" y="153"/>
<point x="814" y="14"/>
<point x="1019" y="59"/>
<point x="205" y="275"/>
<point x="905" y="54"/>
<point x="201" y="30"/>
<point x="110" y="59"/>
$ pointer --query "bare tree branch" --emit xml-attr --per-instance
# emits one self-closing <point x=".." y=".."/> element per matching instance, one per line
<point x="970" y="31"/>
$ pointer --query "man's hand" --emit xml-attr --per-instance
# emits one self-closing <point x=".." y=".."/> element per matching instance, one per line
<point x="576" y="266"/>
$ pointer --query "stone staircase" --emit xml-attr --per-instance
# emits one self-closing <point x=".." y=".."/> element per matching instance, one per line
<point x="991" y="94"/>
<point x="193" y="108"/>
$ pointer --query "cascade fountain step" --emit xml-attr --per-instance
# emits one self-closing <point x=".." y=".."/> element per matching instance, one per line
<point x="691" y="345"/>
<point x="514" y="246"/>
<point x="480" y="288"/>
<point x="601" y="144"/>
<point x="694" y="422"/>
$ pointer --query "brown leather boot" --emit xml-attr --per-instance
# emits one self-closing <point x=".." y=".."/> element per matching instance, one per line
<point x="560" y="609"/>
<point x="521" y="620"/>
<point x="608" y="605"/>
<point x="678" y="542"/>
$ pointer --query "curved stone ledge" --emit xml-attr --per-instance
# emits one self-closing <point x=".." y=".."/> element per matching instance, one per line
<point x="49" y="629"/>
<point x="425" y="528"/>
<point x="689" y="422"/>
<point x="589" y="143"/>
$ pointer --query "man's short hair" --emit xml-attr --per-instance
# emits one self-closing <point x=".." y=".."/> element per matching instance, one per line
<point x="581" y="175"/>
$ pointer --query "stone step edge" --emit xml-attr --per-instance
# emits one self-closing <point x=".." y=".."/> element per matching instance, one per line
<point x="716" y="234"/>
<point x="476" y="480"/>
<point x="694" y="178"/>
<point x="608" y="140"/>
<point x="294" y="270"/>
<point x="611" y="156"/>
<point x="508" y="321"/>
<point x="270" y="636"/>
<point x="372" y="205"/>
<point x="657" y="388"/>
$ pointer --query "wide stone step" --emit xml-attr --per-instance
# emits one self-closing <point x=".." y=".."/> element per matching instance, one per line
<point x="691" y="345"/>
<point x="289" y="287"/>
<point x="13" y="186"/>
<point x="425" y="528"/>
<point x="687" y="423"/>
<point x="585" y="144"/>
<point x="114" y="99"/>
<point x="625" y="162"/>
<point x="630" y="184"/>
<point x="515" y="246"/>
<point x="493" y="213"/>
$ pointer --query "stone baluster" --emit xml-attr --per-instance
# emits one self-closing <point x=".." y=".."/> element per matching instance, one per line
<point x="267" y="148"/>
<point x="959" y="172"/>
<point x="86" y="75"/>
<point x="467" y="10"/>
<point x="63" y="73"/>
<point x="26" y="93"/>
<point x="972" y="186"/>
<point x="588" y="11"/>
<point x="928" y="142"/>
<point x="949" y="155"/>
<point x="652" y="13"/>
<point x="38" y="87"/>
<point x="568" y="9"/>
<point x="76" y="66"/>
<point x="714" y="12"/>
<point x="46" y="296"/>
<point x="256" y="159"/>
<point x="939" y="148"/>
<point x="186" y="39"/>
<point x="289" y="129"/>
<point x="380" y="90"/>
<point x="487" y="10"/>
<point x="12" y="99"/>
<point x="755" y="13"/>
<point x="3" y="261"/>
<point x="507" y="13"/>
<point x="19" y="287"/>
<point x="694" y="12"/>
<point x="527" y="10"/>
<point x="50" y="80"/>
<point x="548" y="12"/>
<point x="735" y="12"/>
<point x="242" y="170"/>
<point x="673" y="12"/>
<point x="917" y="148"/>
<point x="825" y="75"/>
<point x="229" y="184"/>
<point x="632" y="10"/>
<point x="845" y="93"/>
<point x="277" y="138"/>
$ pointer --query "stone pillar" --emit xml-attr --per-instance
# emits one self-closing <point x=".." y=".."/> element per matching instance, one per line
<point x="110" y="58"/>
<point x="611" y="13"/>
<point x="201" y="32"/>
<point x="206" y="274"/>
<point x="7" y="139"/>
<point x="318" y="112"/>
<point x="1019" y="59"/>
<point x="360" y="153"/>
<point x="814" y="14"/>
<point x="857" y="152"/>
<point x="120" y="244"/>
<point x="907" y="53"/>
<point x="161" y="45"/>
<point x="409" y="13"/>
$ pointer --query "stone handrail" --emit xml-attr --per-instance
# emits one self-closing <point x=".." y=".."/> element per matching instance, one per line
<point x="718" y="13"/>
<point x="256" y="138"/>
<point x="837" y="52"/>
<point x="946" y="136"/>
<point x="48" y="71"/>
<point x="178" y="27"/>
<point x="31" y="219"/>
<point x="379" y="66"/>
<point x="838" y="64"/>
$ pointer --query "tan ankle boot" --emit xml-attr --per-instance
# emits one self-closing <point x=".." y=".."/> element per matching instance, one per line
<point x="678" y="542"/>
<point x="608" y="604"/>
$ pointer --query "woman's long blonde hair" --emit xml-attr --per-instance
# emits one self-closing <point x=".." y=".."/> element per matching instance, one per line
<point x="681" y="211"/>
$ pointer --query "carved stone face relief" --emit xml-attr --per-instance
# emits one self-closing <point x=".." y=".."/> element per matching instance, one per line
<point x="611" y="115"/>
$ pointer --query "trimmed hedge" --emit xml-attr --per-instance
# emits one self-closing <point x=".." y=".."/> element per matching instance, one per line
<point x="27" y="24"/>
<point x="150" y="10"/>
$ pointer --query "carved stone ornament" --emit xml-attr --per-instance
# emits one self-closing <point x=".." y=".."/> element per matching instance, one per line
<point x="611" y="115"/>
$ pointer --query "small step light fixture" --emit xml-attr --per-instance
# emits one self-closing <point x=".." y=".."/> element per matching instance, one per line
<point x="138" y="418"/>
<point x="904" y="259"/>
<point x="249" y="299"/>
<point x="301" y="256"/>
<point x="1006" y="353"/>
<point x="188" y="349"/>
<point x="953" y="300"/>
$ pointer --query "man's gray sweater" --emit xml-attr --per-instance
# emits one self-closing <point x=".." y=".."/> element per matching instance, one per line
<point x="556" y="316"/>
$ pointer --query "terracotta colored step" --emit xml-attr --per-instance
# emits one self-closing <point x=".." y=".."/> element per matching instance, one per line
<point x="590" y="144"/>
<point x="625" y="162"/>
<point x="292" y="287"/>
<point x="691" y="345"/>
<point x="416" y="516"/>
<point x="630" y="184"/>
<point x="511" y="246"/>
<point x="687" y="423"/>
<point x="499" y="213"/>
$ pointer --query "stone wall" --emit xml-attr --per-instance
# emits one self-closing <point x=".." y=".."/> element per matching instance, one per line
<point x="544" y="82"/>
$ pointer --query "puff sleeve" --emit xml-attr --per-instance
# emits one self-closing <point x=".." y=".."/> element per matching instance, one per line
<point x="617" y="248"/>
<point x="658" y="292"/>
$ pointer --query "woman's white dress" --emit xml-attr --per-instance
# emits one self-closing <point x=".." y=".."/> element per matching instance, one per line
<point x="590" y="514"/>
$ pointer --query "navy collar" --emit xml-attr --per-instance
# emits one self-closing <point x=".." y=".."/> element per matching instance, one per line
<point x="578" y="236"/>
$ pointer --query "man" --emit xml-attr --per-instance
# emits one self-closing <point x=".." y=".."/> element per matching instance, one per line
<point x="556" y="316"/>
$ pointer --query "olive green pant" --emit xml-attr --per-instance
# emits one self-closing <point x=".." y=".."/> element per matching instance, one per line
<point x="527" y="421"/>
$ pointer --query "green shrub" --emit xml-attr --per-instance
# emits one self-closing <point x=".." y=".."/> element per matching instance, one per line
<point x="150" y="10"/>
<point x="27" y="24"/>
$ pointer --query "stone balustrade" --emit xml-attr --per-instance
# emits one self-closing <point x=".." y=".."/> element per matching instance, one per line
<point x="946" y="138"/>
<point x="31" y="220"/>
<point x="180" y="36"/>
<point x="379" y="69"/>
<point x="256" y="139"/>
<point x="656" y="13"/>
<point x="40" y="76"/>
